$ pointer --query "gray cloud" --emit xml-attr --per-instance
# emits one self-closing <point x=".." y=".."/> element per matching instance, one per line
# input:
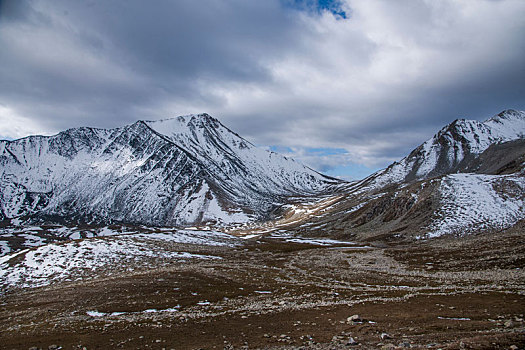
<point x="112" y="62"/>
<point x="377" y="83"/>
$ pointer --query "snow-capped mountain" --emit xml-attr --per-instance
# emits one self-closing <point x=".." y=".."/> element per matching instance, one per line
<point x="176" y="171"/>
<point x="468" y="178"/>
<point x="454" y="148"/>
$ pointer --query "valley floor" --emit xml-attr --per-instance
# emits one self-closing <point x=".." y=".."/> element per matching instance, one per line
<point x="277" y="293"/>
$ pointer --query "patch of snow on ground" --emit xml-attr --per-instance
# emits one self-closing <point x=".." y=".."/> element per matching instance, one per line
<point x="32" y="240"/>
<point x="191" y="236"/>
<point x="250" y="236"/>
<point x="471" y="202"/>
<point x="320" y="241"/>
<point x="4" y="248"/>
<point x="454" y="318"/>
<point x="95" y="313"/>
<point x="314" y="241"/>
<point x="61" y="231"/>
<point x="106" y="231"/>
<point x="102" y="314"/>
<point x="29" y="237"/>
<point x="16" y="221"/>
<point x="59" y="262"/>
<point x="32" y="229"/>
<point x="75" y="235"/>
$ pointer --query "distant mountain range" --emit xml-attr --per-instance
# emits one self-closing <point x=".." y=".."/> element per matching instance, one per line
<point x="189" y="170"/>
<point x="179" y="171"/>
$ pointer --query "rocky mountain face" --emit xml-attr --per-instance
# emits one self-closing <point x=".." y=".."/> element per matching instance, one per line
<point x="455" y="148"/>
<point x="178" y="171"/>
<point x="468" y="178"/>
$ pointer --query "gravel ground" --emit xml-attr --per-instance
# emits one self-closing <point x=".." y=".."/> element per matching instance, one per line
<point x="267" y="293"/>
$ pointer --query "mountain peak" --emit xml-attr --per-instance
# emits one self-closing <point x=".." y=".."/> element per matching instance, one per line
<point x="175" y="171"/>
<point x="454" y="147"/>
<point x="205" y="117"/>
<point x="508" y="114"/>
<point x="184" y="124"/>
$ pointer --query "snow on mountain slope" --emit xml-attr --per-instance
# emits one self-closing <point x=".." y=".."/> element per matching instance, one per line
<point x="453" y="147"/>
<point x="421" y="196"/>
<point x="476" y="203"/>
<point x="233" y="160"/>
<point x="172" y="172"/>
<point x="455" y="204"/>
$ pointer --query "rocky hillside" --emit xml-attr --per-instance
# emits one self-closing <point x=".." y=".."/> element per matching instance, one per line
<point x="468" y="178"/>
<point x="177" y="171"/>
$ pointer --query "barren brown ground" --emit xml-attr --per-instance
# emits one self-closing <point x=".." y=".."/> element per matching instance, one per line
<point x="445" y="293"/>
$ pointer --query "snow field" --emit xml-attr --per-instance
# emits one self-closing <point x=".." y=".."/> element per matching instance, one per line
<point x="74" y="259"/>
<point x="471" y="202"/>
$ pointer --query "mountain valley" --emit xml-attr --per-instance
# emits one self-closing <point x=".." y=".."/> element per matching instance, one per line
<point x="180" y="234"/>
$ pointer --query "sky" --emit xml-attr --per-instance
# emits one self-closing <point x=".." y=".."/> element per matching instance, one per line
<point x="346" y="87"/>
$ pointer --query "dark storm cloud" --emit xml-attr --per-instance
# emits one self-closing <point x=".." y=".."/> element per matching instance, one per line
<point x="374" y="78"/>
<point x="108" y="63"/>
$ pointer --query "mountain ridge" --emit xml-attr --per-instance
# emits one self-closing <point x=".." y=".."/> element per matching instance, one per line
<point x="203" y="172"/>
<point x="450" y="149"/>
<point x="478" y="187"/>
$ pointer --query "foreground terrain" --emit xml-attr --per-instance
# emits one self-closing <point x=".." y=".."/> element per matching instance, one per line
<point x="186" y="290"/>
